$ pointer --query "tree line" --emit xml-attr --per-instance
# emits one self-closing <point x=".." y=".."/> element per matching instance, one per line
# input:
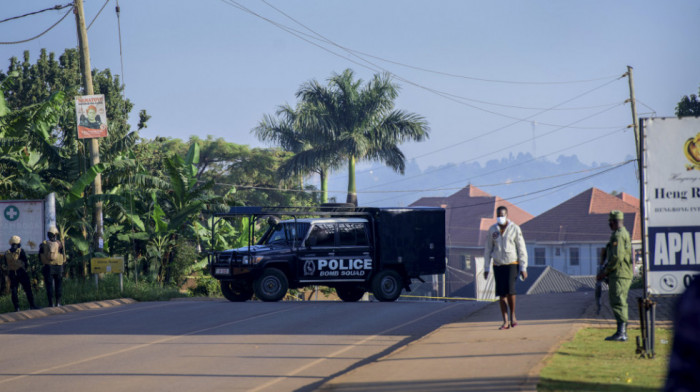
<point x="158" y="193"/>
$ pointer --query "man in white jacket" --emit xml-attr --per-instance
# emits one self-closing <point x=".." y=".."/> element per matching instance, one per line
<point x="506" y="246"/>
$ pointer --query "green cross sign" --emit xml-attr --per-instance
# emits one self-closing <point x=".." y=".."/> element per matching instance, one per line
<point x="11" y="213"/>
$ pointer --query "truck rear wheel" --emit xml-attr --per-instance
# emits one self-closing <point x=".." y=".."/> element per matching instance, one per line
<point x="386" y="286"/>
<point x="237" y="290"/>
<point x="350" y="293"/>
<point x="271" y="286"/>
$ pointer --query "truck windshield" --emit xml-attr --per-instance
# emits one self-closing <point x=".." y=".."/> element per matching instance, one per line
<point x="285" y="233"/>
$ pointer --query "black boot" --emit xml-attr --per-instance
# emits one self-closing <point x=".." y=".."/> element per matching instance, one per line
<point x="620" y="335"/>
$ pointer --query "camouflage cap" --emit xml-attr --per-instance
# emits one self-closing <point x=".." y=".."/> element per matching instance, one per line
<point x="616" y="215"/>
<point x="15" y="240"/>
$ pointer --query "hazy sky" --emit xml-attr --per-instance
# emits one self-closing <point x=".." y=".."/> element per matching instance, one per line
<point x="209" y="68"/>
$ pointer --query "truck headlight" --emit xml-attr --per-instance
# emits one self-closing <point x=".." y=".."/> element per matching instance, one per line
<point x="252" y="259"/>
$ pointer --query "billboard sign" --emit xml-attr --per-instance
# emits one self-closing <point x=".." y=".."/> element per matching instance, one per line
<point x="672" y="167"/>
<point x="24" y="218"/>
<point x="91" y="116"/>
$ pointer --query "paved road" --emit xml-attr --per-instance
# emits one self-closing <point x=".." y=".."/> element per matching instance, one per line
<point x="210" y="345"/>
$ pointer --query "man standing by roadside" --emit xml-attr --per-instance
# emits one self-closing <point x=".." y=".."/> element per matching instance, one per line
<point x="506" y="246"/>
<point x="15" y="261"/>
<point x="52" y="257"/>
<point x="619" y="271"/>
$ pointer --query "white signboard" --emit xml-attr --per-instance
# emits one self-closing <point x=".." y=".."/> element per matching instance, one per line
<point x="91" y="116"/>
<point x="24" y="218"/>
<point x="672" y="161"/>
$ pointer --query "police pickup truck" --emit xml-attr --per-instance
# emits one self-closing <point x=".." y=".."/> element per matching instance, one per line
<point x="354" y="250"/>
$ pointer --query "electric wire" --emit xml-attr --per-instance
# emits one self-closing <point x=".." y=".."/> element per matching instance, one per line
<point x="498" y="150"/>
<point x="434" y="71"/>
<point x="537" y="194"/>
<point x="54" y="8"/>
<point x="549" y="188"/>
<point x="444" y="95"/>
<point x="98" y="14"/>
<point x="40" y="34"/>
<point x="603" y="167"/>
<point x="467" y="180"/>
<point x="376" y="68"/>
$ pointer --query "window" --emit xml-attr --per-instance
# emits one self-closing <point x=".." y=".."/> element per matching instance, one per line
<point x="573" y="256"/>
<point x="540" y="256"/>
<point x="322" y="234"/>
<point x="352" y="234"/>
<point x="467" y="262"/>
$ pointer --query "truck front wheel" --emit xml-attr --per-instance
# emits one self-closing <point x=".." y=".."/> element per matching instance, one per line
<point x="271" y="286"/>
<point x="386" y="286"/>
<point x="237" y="290"/>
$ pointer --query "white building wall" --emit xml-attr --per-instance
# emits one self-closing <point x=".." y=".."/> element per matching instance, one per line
<point x="558" y="257"/>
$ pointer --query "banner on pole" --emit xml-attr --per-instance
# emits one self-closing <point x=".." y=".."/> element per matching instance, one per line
<point x="672" y="168"/>
<point x="91" y="116"/>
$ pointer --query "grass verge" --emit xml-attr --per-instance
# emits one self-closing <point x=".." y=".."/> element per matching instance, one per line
<point x="79" y="291"/>
<point x="589" y="363"/>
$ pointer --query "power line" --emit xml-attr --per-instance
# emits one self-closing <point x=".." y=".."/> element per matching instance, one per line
<point x="376" y="68"/>
<point x="42" y="33"/>
<point x="54" y="8"/>
<point x="550" y="188"/>
<point x="517" y="164"/>
<point x="496" y="151"/>
<point x="429" y="70"/>
<point x="98" y="14"/>
<point x="423" y="190"/>
<point x="449" y="96"/>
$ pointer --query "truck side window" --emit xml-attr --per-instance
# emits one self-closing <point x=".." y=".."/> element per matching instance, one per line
<point x="322" y="234"/>
<point x="352" y="234"/>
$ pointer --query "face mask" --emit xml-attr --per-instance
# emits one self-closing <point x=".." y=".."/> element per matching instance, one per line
<point x="501" y="220"/>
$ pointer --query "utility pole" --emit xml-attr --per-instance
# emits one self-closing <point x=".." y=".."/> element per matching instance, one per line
<point x="633" y="104"/>
<point x="94" y="142"/>
<point x="647" y="307"/>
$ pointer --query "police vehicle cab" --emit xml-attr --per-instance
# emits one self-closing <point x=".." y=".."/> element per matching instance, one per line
<point x="354" y="250"/>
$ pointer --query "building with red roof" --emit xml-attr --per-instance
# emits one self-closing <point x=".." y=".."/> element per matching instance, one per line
<point x="571" y="236"/>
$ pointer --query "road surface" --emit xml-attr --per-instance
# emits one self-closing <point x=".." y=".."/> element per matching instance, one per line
<point x="210" y="345"/>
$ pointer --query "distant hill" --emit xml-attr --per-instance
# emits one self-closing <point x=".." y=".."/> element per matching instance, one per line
<point x="535" y="185"/>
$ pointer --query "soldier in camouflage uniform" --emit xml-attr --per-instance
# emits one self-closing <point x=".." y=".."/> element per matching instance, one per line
<point x="52" y="257"/>
<point x="619" y="271"/>
<point x="16" y="264"/>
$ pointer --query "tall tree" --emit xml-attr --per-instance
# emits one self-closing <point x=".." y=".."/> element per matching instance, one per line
<point x="688" y="106"/>
<point x="291" y="134"/>
<point x="358" y="122"/>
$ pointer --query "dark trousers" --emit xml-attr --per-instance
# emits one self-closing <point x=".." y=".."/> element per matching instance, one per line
<point x="53" y="280"/>
<point x="20" y="277"/>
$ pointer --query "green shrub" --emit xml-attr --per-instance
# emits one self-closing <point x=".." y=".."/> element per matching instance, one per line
<point x="206" y="287"/>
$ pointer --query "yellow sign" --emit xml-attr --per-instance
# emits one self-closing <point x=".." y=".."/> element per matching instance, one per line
<point x="107" y="265"/>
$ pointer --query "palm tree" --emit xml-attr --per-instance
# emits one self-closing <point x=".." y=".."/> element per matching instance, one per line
<point x="357" y="122"/>
<point x="288" y="132"/>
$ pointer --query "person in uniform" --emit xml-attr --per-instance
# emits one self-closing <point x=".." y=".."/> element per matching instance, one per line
<point x="506" y="246"/>
<point x="52" y="256"/>
<point x="619" y="271"/>
<point x="15" y="262"/>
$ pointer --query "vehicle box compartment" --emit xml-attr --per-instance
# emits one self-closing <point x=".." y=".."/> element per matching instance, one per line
<point x="412" y="237"/>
